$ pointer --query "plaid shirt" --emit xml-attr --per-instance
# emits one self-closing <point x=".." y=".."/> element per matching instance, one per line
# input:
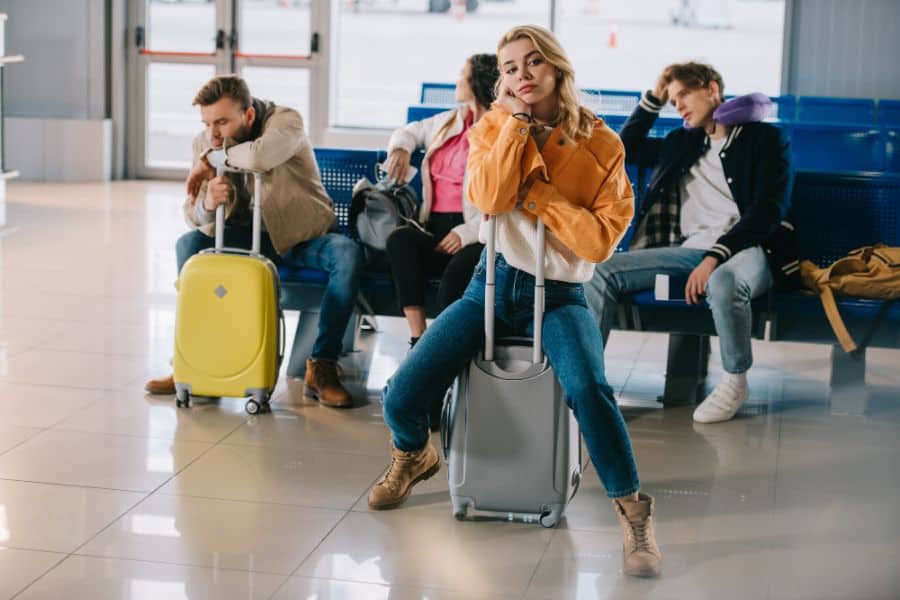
<point x="660" y="226"/>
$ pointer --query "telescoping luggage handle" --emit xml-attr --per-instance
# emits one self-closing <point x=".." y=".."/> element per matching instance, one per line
<point x="254" y="249"/>
<point x="490" y="292"/>
<point x="257" y="216"/>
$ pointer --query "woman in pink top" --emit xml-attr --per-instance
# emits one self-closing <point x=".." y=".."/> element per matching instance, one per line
<point x="448" y="246"/>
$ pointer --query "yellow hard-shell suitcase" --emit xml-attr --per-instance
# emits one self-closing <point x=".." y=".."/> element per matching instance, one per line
<point x="228" y="323"/>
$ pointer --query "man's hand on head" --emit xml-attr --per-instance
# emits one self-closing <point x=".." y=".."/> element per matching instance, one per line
<point x="661" y="91"/>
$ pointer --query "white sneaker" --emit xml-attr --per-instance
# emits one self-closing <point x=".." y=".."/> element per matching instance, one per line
<point x="725" y="400"/>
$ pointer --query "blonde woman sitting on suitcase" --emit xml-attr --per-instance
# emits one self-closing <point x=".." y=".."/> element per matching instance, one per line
<point x="536" y="154"/>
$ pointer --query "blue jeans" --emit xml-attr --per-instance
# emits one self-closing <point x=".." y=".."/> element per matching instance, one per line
<point x="572" y="344"/>
<point x="338" y="255"/>
<point x="729" y="291"/>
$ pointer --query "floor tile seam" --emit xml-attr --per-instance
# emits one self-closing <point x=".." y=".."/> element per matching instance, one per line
<point x="159" y="492"/>
<point x="75" y="554"/>
<point x="777" y="469"/>
<point x="39" y="577"/>
<point x="176" y="473"/>
<point x="540" y="561"/>
<point x="28" y="439"/>
<point x="67" y="387"/>
<point x="314" y="549"/>
<point x="64" y="387"/>
<point x="20" y="350"/>
<point x="629" y="375"/>
<point x="68" y="416"/>
<point x="329" y="451"/>
<point x="55" y="428"/>
<point x="213" y="443"/>
<point x="146" y="493"/>
<point x="339" y="521"/>
<point x="112" y="522"/>
<point x="388" y="584"/>
<point x="126" y="355"/>
<point x="172" y="563"/>
<point x="74" y="485"/>
<point x="77" y="320"/>
<point x="13" y="546"/>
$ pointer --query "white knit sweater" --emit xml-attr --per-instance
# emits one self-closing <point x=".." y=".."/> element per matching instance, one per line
<point x="517" y="240"/>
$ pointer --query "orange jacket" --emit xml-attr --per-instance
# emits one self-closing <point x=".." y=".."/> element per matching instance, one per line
<point x="580" y="191"/>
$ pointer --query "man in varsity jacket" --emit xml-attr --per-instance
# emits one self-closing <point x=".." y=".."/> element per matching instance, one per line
<point x="715" y="213"/>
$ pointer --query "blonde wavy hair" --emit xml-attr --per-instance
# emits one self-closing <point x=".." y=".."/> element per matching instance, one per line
<point x="576" y="121"/>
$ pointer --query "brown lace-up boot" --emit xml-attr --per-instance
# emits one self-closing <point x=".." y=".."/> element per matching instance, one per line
<point x="322" y="383"/>
<point x="163" y="385"/>
<point x="406" y="470"/>
<point x="641" y="554"/>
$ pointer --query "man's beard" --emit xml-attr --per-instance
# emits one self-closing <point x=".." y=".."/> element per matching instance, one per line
<point x="242" y="134"/>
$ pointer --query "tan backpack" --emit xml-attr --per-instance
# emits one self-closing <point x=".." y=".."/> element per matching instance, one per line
<point x="868" y="272"/>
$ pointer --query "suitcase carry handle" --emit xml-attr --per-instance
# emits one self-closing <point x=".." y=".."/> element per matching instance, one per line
<point x="257" y="215"/>
<point x="537" y="355"/>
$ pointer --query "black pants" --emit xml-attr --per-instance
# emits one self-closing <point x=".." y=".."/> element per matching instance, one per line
<point x="414" y="261"/>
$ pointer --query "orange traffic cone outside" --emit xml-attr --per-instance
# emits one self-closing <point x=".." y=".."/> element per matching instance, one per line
<point x="613" y="37"/>
<point x="459" y="9"/>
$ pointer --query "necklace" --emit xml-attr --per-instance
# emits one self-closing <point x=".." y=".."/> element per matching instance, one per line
<point x="551" y="124"/>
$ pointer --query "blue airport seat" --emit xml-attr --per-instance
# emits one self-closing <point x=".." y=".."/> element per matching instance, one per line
<point x="785" y="107"/>
<point x="836" y="214"/>
<point x="889" y="113"/>
<point x="418" y="112"/>
<point x="614" y="122"/>
<point x="836" y="147"/>
<point x="438" y="93"/>
<point x="340" y="170"/>
<point x="890" y="135"/>
<point x="836" y="110"/>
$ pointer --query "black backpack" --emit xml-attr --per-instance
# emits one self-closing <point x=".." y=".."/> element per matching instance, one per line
<point x="377" y="210"/>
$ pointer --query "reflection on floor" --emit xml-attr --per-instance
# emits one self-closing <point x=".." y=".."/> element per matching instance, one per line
<point x="108" y="493"/>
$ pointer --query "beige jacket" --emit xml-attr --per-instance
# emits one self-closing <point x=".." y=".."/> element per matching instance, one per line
<point x="295" y="206"/>
<point x="431" y="134"/>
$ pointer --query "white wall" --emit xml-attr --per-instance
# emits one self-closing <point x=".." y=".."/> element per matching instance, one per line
<point x="844" y="48"/>
<point x="64" y="43"/>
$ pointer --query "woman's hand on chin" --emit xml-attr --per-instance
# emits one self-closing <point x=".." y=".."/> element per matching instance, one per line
<point x="508" y="100"/>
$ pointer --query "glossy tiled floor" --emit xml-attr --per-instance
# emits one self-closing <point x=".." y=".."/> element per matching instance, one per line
<point x="108" y="493"/>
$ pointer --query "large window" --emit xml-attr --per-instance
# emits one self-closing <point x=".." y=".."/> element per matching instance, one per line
<point x="624" y="44"/>
<point x="352" y="67"/>
<point x="386" y="48"/>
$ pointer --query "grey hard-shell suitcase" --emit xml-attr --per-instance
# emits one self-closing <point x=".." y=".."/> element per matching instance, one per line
<point x="512" y="443"/>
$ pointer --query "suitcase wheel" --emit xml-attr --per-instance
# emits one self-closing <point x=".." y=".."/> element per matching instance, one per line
<point x="460" y="513"/>
<point x="182" y="398"/>
<point x="549" y="519"/>
<point x="257" y="405"/>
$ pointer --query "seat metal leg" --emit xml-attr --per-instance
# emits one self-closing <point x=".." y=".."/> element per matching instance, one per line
<point x="849" y="395"/>
<point x="686" y="368"/>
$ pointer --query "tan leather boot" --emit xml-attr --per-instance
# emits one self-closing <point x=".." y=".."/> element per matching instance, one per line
<point x="406" y="470"/>
<point x="641" y="554"/>
<point x="163" y="385"/>
<point x="322" y="383"/>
